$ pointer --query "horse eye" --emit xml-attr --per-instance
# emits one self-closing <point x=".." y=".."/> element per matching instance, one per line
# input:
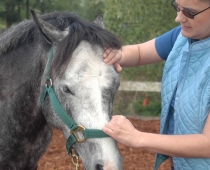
<point x="67" y="90"/>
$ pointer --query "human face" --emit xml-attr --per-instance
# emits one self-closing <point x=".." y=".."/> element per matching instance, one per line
<point x="199" y="27"/>
<point x="185" y="12"/>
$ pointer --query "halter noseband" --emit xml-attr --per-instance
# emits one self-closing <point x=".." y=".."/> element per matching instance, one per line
<point x="75" y="129"/>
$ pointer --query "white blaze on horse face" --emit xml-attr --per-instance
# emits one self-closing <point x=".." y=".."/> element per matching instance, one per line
<point x="88" y="86"/>
<point x="87" y="76"/>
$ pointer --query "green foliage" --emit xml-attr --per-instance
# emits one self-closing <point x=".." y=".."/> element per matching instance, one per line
<point x="86" y="9"/>
<point x="152" y="109"/>
<point x="151" y="72"/>
<point x="10" y="10"/>
<point x="91" y="9"/>
<point x="13" y="11"/>
<point x="137" y="21"/>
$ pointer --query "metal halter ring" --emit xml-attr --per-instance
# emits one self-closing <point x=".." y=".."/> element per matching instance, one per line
<point x="79" y="134"/>
<point x="48" y="82"/>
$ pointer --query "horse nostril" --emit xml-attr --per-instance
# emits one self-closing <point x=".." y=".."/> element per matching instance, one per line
<point x="99" y="167"/>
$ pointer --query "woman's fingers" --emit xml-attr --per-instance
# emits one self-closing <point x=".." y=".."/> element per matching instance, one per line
<point x="115" y="126"/>
<point x="122" y="130"/>
<point x="117" y="67"/>
<point x="112" y="56"/>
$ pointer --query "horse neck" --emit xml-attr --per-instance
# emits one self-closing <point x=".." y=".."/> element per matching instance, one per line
<point x="21" y="71"/>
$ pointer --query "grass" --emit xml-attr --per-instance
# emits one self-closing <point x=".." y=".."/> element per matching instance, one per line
<point x="130" y="103"/>
<point x="152" y="72"/>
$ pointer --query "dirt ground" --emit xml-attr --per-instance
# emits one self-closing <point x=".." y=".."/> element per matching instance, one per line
<point x="56" y="157"/>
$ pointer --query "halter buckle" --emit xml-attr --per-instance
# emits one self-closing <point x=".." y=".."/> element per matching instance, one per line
<point x="79" y="134"/>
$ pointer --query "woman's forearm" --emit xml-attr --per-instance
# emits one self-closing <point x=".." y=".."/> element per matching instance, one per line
<point x="130" y="56"/>
<point x="139" y="54"/>
<point x="192" y="145"/>
<point x="195" y="145"/>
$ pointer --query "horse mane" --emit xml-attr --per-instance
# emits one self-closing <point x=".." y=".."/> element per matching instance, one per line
<point x="26" y="32"/>
<point x="15" y="36"/>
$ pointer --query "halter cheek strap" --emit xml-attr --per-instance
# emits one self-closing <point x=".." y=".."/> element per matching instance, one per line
<point x="77" y="132"/>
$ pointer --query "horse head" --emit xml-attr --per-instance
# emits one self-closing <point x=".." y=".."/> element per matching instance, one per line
<point x="84" y="86"/>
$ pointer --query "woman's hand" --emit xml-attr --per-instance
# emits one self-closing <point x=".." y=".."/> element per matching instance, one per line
<point x="113" y="56"/>
<point x="122" y="130"/>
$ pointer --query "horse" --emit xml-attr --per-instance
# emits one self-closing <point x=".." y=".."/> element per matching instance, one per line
<point x="83" y="85"/>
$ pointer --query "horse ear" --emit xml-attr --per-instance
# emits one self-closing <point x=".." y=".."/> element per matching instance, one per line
<point x="52" y="34"/>
<point x="99" y="21"/>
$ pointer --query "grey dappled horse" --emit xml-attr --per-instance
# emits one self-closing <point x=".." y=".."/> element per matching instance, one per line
<point x="83" y="83"/>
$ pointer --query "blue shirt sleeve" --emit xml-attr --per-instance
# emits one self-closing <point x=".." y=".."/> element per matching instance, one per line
<point x="165" y="42"/>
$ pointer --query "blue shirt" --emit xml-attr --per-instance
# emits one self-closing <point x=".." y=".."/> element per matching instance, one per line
<point x="164" y="45"/>
<point x="165" y="42"/>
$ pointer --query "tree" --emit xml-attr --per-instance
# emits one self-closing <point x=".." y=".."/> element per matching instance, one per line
<point x="11" y="11"/>
<point x="86" y="9"/>
<point x="16" y="10"/>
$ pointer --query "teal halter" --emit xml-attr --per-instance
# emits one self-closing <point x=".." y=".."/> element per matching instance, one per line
<point x="78" y="133"/>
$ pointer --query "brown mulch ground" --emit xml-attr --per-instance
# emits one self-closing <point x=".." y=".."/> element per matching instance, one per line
<point x="56" y="157"/>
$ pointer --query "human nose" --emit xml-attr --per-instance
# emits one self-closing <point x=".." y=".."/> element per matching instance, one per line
<point x="180" y="17"/>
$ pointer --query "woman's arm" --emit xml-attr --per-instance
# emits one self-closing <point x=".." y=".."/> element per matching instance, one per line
<point x="133" y="55"/>
<point x="195" y="145"/>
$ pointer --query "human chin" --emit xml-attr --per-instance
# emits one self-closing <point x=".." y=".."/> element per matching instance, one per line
<point x="186" y="34"/>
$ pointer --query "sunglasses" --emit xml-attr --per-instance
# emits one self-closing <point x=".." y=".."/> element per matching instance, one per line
<point x="185" y="12"/>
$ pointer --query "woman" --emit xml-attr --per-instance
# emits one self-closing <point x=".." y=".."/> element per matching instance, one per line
<point x="185" y="121"/>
